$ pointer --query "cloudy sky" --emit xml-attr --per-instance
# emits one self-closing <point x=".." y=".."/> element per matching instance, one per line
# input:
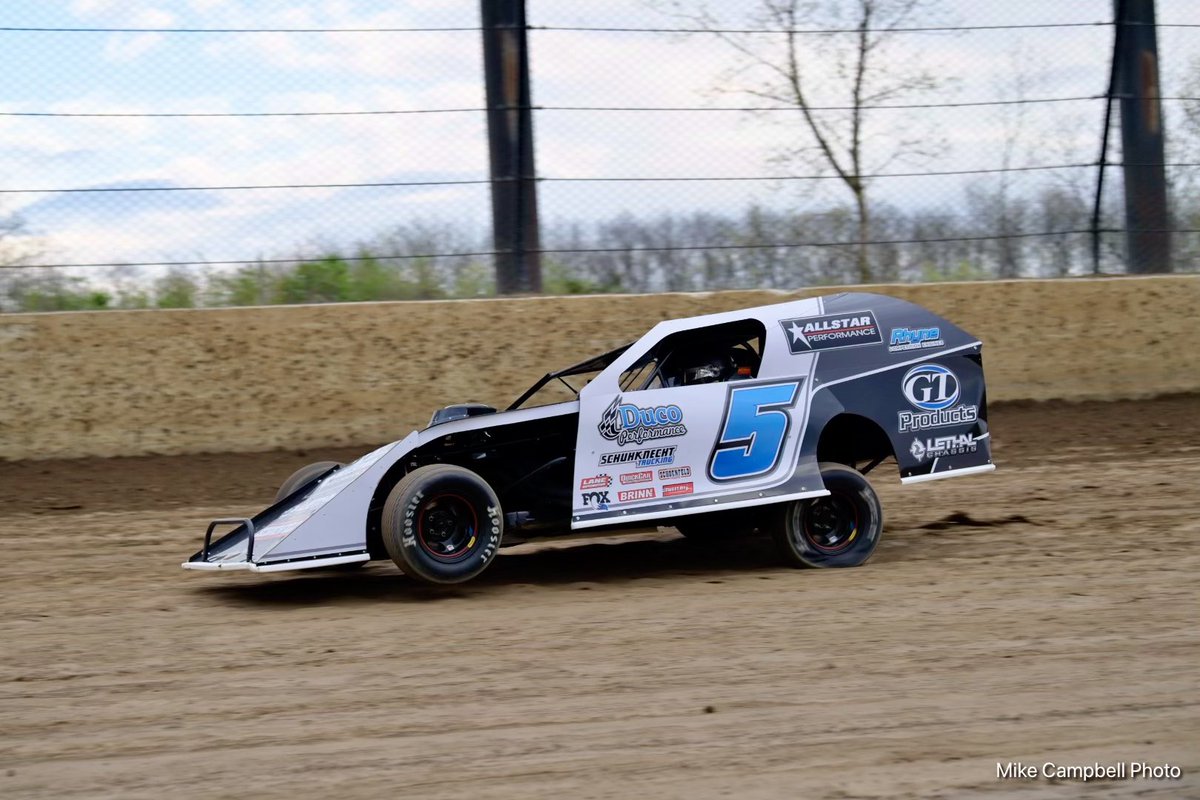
<point x="151" y="72"/>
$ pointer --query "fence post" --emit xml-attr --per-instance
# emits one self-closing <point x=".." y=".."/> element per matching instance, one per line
<point x="510" y="147"/>
<point x="1147" y="223"/>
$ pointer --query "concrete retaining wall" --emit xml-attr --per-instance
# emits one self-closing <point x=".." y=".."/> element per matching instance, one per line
<point x="135" y="382"/>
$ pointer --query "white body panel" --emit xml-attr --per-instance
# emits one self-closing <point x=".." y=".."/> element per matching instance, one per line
<point x="650" y="454"/>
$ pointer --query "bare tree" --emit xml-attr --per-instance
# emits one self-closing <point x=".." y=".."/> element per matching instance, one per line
<point x="835" y="81"/>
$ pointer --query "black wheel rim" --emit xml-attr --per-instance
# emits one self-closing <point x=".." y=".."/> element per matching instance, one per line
<point x="447" y="527"/>
<point x="829" y="524"/>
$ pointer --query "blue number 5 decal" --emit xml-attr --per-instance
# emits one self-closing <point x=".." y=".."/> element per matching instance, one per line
<point x="756" y="423"/>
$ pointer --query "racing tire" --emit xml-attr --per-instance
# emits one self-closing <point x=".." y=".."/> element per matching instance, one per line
<point x="304" y="476"/>
<point x="841" y="529"/>
<point x="442" y="524"/>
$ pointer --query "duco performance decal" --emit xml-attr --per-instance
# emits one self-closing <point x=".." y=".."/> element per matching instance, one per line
<point x="808" y="334"/>
<point x="757" y="420"/>
<point x="631" y="424"/>
<point x="934" y="391"/>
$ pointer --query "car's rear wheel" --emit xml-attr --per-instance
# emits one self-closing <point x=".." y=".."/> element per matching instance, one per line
<point x="442" y="524"/>
<point x="302" y="477"/>
<point x="839" y="530"/>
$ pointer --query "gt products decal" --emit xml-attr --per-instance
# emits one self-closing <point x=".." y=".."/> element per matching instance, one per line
<point x="806" y="334"/>
<point x="757" y="420"/>
<point x="654" y="457"/>
<point x="939" y="446"/>
<point x="905" y="339"/>
<point x="645" y="476"/>
<point x="594" y="500"/>
<point x="676" y="489"/>
<point x="596" y="482"/>
<point x="628" y="423"/>
<point x="646" y="493"/>
<point x="933" y="390"/>
<point x="674" y="473"/>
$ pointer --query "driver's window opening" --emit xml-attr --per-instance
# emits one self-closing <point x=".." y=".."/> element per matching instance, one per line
<point x="731" y="351"/>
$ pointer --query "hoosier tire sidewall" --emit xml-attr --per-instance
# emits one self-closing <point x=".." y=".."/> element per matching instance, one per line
<point x="403" y="508"/>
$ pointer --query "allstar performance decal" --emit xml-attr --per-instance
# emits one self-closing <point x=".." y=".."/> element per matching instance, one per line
<point x="810" y="334"/>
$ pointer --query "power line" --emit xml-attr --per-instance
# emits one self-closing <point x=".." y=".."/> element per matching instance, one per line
<point x="593" y="250"/>
<point x="595" y="29"/>
<point x="864" y="107"/>
<point x="201" y="114"/>
<point x="821" y="177"/>
<point x="47" y="29"/>
<point x="480" y="110"/>
<point x="822" y="31"/>
<point x="218" y="114"/>
<point x="573" y="179"/>
<point x="270" y="186"/>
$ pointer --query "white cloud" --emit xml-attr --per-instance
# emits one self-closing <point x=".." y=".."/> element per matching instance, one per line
<point x="123" y="48"/>
<point x="92" y="8"/>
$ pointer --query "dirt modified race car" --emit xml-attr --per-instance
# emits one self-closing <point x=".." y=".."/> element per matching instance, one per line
<point x="765" y="418"/>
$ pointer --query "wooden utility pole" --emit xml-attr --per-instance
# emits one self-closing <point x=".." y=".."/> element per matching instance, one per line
<point x="1147" y="222"/>
<point x="510" y="145"/>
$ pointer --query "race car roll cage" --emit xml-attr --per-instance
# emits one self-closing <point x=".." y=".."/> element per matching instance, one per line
<point x="729" y="336"/>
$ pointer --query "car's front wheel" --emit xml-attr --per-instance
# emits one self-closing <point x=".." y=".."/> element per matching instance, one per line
<point x="841" y="529"/>
<point x="442" y="524"/>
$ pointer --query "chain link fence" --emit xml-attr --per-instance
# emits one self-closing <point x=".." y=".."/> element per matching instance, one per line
<point x="220" y="152"/>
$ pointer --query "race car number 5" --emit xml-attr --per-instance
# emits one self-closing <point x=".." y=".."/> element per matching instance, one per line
<point x="757" y="420"/>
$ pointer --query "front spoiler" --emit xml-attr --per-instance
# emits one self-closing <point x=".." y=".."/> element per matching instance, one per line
<point x="283" y="566"/>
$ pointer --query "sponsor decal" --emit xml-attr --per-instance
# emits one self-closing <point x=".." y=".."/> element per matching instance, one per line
<point x="904" y="339"/>
<point x="674" y="473"/>
<point x="645" y="476"/>
<point x="676" y="489"/>
<point x="631" y="424"/>
<point x="930" y="387"/>
<point x="597" y="500"/>
<point x="939" y="446"/>
<point x="652" y="457"/>
<point x="933" y="390"/>
<point x="807" y="334"/>
<point x="924" y="420"/>
<point x="596" y="482"/>
<point x="645" y="493"/>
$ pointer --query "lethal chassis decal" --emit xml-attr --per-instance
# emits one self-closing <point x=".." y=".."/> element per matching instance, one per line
<point x="940" y="446"/>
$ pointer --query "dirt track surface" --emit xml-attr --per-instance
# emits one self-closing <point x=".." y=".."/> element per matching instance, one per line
<point x="1046" y="612"/>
